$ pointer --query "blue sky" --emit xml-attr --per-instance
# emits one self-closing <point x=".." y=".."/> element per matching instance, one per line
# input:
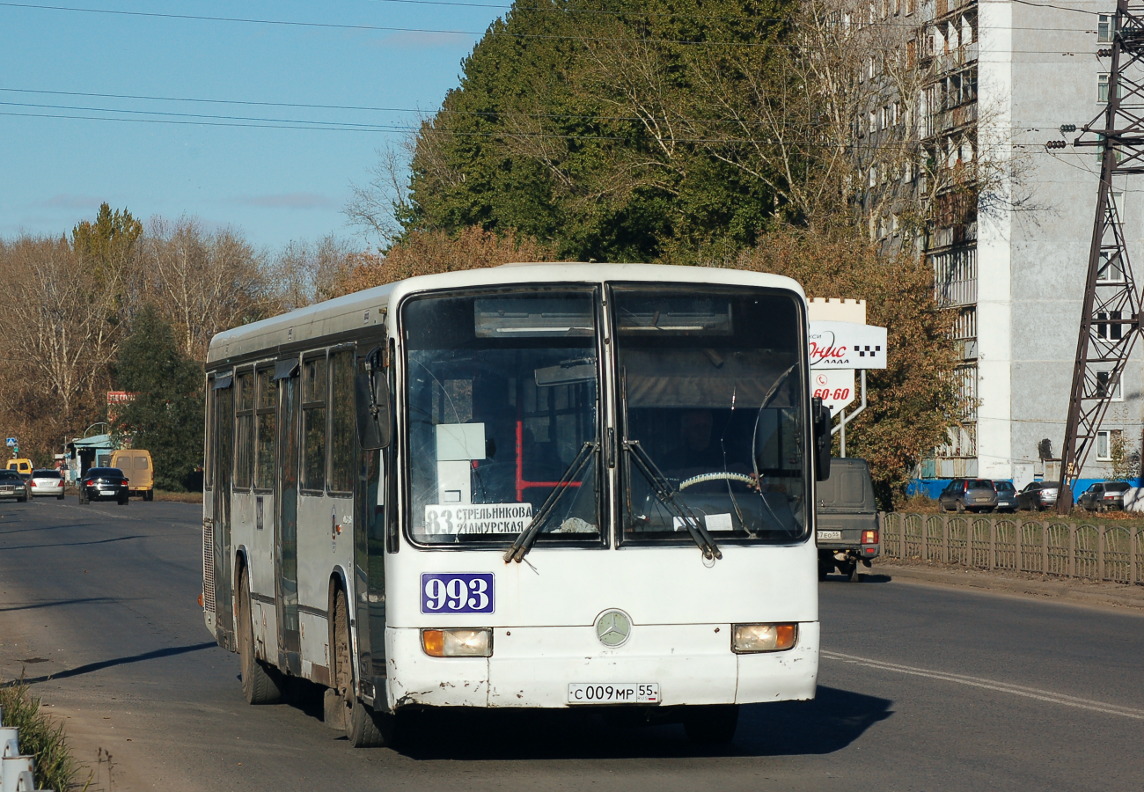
<point x="179" y="109"/>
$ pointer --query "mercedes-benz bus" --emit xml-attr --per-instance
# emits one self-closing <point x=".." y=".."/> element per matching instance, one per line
<point x="558" y="486"/>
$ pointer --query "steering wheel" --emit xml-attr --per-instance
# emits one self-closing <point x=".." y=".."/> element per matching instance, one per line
<point x="719" y="475"/>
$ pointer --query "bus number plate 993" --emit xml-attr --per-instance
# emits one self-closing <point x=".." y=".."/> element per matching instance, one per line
<point x="457" y="592"/>
<point x="613" y="693"/>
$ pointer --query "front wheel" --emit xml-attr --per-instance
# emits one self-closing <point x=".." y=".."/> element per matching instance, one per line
<point x="364" y="727"/>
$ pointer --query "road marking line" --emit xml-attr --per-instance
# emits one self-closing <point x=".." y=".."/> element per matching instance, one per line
<point x="989" y="684"/>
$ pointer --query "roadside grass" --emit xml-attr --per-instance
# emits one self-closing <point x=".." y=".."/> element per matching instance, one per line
<point x="40" y="738"/>
<point x="179" y="497"/>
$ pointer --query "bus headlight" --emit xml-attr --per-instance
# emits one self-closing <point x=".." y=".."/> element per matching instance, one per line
<point x="457" y="642"/>
<point x="747" y="638"/>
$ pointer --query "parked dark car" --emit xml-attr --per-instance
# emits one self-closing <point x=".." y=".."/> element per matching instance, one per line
<point x="104" y="483"/>
<point x="1038" y="495"/>
<point x="1006" y="495"/>
<point x="13" y="485"/>
<point x="1104" y="496"/>
<point x="968" y="495"/>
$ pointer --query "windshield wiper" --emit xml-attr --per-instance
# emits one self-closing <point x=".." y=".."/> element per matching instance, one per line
<point x="527" y="538"/>
<point x="665" y="493"/>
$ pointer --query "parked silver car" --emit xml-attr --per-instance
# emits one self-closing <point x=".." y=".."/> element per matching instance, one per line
<point x="1038" y="495"/>
<point x="1104" y="496"/>
<point x="975" y="495"/>
<point x="47" y="482"/>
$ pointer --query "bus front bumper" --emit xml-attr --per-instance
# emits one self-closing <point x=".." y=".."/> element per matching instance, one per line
<point x="552" y="667"/>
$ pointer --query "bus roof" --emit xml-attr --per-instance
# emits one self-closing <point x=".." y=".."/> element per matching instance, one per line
<point x="368" y="307"/>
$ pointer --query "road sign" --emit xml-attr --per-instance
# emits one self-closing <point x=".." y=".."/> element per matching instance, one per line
<point x="845" y="345"/>
<point x="12" y="442"/>
<point x="834" y="386"/>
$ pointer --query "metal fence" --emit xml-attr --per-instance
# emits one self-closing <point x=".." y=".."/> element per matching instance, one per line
<point x="1049" y="547"/>
<point x="15" y="770"/>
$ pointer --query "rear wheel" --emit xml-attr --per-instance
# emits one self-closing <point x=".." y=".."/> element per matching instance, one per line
<point x="260" y="685"/>
<point x="148" y="495"/>
<point x="364" y="727"/>
<point x="82" y="496"/>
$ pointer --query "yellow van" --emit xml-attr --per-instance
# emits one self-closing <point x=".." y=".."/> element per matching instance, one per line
<point x="136" y="465"/>
<point x="21" y="466"/>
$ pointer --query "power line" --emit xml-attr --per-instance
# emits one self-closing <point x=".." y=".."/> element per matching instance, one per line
<point x="537" y="36"/>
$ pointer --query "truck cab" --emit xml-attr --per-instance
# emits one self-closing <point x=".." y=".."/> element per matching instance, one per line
<point x="847" y="525"/>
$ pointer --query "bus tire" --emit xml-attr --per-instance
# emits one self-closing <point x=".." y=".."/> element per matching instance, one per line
<point x="260" y="685"/>
<point x="364" y="727"/>
<point x="713" y="724"/>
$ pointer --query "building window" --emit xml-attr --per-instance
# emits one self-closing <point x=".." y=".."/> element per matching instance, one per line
<point x="1104" y="27"/>
<point x="1111" y="267"/>
<point x="1105" y="439"/>
<point x="1109" y="386"/>
<point x="1107" y="326"/>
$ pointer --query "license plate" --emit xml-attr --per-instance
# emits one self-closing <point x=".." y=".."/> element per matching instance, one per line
<point x="827" y="535"/>
<point x="613" y="693"/>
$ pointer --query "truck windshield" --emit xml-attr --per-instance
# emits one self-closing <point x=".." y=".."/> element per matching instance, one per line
<point x="712" y="420"/>
<point x="502" y="397"/>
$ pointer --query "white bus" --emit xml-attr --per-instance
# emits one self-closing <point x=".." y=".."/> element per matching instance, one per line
<point x="540" y="486"/>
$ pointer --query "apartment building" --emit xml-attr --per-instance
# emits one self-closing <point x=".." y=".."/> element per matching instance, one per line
<point x="1010" y="251"/>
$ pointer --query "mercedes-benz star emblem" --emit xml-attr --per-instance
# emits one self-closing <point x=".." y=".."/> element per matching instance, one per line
<point x="613" y="627"/>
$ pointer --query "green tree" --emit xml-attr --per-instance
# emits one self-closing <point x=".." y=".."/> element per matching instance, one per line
<point x="166" y="415"/>
<point x="577" y="123"/>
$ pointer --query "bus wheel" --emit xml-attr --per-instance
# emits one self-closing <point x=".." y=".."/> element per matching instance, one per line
<point x="713" y="724"/>
<point x="364" y="727"/>
<point x="260" y="685"/>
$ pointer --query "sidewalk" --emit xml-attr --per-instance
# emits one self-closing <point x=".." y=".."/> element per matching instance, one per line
<point x="1098" y="595"/>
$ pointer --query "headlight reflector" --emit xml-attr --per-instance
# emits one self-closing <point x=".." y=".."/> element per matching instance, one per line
<point x="748" y="638"/>
<point x="457" y="642"/>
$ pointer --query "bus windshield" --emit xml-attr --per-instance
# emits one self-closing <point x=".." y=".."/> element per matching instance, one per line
<point x="712" y="419"/>
<point x="503" y="411"/>
<point x="504" y="416"/>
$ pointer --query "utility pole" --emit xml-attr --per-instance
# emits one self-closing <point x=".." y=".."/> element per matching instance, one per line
<point x="1110" y="315"/>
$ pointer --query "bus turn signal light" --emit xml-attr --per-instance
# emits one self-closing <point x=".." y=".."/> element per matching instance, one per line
<point x="457" y="643"/>
<point x="749" y="638"/>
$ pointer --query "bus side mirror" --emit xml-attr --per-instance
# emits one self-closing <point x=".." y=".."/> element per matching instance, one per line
<point x="372" y="388"/>
<point x="821" y="439"/>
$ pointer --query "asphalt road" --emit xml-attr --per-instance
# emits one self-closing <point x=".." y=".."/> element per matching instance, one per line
<point x="922" y="688"/>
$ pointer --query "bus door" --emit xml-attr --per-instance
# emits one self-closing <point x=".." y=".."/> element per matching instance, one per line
<point x="222" y="416"/>
<point x="286" y="524"/>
